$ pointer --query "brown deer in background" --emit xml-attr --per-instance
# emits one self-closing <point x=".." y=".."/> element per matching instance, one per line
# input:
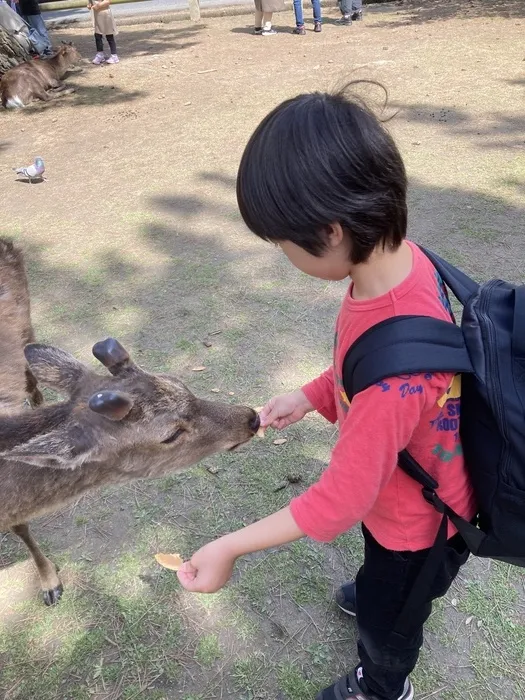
<point x="110" y="429"/>
<point x="38" y="79"/>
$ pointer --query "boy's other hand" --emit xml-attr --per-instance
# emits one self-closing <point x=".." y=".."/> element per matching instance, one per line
<point x="209" y="569"/>
<point x="283" y="410"/>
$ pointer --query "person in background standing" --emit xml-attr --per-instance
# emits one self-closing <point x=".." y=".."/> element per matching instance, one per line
<point x="30" y="12"/>
<point x="104" y="24"/>
<point x="351" y="11"/>
<point x="299" y="18"/>
<point x="264" y="10"/>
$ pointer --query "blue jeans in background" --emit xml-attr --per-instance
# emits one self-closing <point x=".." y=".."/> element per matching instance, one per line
<point x="298" y="9"/>
<point x="39" y="26"/>
<point x="348" y="7"/>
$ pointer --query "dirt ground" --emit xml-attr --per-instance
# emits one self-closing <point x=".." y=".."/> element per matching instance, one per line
<point x="136" y="234"/>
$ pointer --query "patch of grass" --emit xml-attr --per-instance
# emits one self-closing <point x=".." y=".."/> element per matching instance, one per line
<point x="499" y="643"/>
<point x="293" y="683"/>
<point x="249" y="674"/>
<point x="479" y="233"/>
<point x="208" y="650"/>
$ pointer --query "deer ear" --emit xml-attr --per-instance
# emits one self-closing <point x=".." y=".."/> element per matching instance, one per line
<point x="53" y="367"/>
<point x="63" y="448"/>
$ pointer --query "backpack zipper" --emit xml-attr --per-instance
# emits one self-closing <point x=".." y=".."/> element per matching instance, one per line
<point x="492" y="366"/>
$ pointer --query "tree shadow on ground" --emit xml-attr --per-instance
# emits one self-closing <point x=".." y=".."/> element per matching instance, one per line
<point x="498" y="130"/>
<point x="133" y="41"/>
<point x="86" y="96"/>
<point x="417" y="12"/>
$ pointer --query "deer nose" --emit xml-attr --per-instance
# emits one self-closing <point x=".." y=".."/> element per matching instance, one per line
<point x="255" y="423"/>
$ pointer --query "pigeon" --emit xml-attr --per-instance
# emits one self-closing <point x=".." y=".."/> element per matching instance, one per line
<point x="33" y="172"/>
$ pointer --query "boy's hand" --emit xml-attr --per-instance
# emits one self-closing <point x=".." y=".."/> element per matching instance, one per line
<point x="209" y="569"/>
<point x="283" y="410"/>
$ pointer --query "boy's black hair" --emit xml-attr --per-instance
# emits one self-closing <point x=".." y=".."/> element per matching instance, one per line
<point x="318" y="159"/>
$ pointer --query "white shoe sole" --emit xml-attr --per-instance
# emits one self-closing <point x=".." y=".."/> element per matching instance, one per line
<point x="409" y="692"/>
<point x="351" y="614"/>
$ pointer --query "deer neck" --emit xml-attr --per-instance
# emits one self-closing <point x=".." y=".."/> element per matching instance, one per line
<point x="30" y="492"/>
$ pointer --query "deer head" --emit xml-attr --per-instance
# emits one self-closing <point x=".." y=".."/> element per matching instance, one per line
<point x="141" y="424"/>
<point x="69" y="53"/>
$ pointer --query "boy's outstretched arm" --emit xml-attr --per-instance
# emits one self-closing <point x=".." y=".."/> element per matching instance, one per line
<point x="211" y="567"/>
<point x="320" y="392"/>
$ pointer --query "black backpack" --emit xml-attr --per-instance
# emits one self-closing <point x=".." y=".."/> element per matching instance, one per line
<point x="489" y="351"/>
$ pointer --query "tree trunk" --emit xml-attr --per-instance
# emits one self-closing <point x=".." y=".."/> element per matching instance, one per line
<point x="11" y="51"/>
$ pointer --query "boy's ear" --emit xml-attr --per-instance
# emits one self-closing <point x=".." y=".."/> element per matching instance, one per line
<point x="334" y="235"/>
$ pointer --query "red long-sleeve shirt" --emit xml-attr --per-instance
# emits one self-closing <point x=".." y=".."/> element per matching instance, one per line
<point x="419" y="412"/>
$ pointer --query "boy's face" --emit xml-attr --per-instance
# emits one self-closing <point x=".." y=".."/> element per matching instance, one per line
<point x="334" y="263"/>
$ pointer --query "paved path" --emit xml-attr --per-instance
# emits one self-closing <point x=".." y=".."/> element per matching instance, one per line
<point x="138" y="8"/>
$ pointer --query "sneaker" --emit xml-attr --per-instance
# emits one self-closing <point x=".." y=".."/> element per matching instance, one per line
<point x="300" y="30"/>
<point x="113" y="58"/>
<point x="345" y="598"/>
<point x="352" y="687"/>
<point x="258" y="31"/>
<point x="268" y="32"/>
<point x="357" y="16"/>
<point x="345" y="20"/>
<point x="318" y="27"/>
<point x="99" y="58"/>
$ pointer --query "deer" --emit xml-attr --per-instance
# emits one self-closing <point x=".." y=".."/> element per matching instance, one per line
<point x="40" y="79"/>
<point x="108" y="428"/>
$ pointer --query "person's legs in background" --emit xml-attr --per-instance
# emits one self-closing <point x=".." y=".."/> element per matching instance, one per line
<point x="38" y="24"/>
<point x="263" y="21"/>
<point x="346" y="12"/>
<point x="357" y="10"/>
<point x="299" y="17"/>
<point x="316" y="4"/>
<point x="110" y="38"/>
<point x="100" y="57"/>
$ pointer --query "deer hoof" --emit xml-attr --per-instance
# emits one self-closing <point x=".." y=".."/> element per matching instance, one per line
<point x="53" y="595"/>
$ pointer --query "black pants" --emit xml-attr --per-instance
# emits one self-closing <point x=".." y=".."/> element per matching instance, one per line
<point x="383" y="585"/>
<point x="111" y="41"/>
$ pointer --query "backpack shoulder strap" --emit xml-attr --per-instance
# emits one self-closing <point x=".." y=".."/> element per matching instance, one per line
<point x="404" y="345"/>
<point x="462" y="286"/>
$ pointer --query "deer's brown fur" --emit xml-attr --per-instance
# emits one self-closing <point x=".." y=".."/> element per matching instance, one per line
<point x="34" y="79"/>
<point x="110" y="429"/>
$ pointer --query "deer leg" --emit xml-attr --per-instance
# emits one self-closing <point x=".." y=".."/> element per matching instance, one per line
<point x="34" y="393"/>
<point x="61" y="91"/>
<point x="50" y="583"/>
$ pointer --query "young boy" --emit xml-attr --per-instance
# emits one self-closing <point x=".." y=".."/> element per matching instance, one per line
<point x="323" y="180"/>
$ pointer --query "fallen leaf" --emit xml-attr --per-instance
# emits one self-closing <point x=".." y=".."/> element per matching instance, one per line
<point x="454" y="602"/>
<point x="280" y="441"/>
<point x="198" y="369"/>
<point x="231" y="393"/>
<point x="169" y="561"/>
<point x="213" y="470"/>
<point x="206" y="343"/>
<point x="216" y="390"/>
<point x="469" y="620"/>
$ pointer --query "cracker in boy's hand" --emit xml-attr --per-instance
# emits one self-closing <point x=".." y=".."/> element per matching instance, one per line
<point x="170" y="561"/>
<point x="261" y="431"/>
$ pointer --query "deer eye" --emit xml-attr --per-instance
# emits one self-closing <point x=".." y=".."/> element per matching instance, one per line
<point x="173" y="437"/>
